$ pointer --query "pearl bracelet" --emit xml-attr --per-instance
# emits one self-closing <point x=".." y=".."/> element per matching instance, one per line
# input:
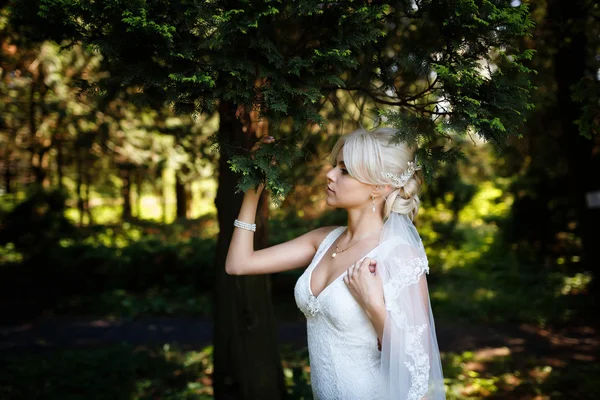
<point x="244" y="225"/>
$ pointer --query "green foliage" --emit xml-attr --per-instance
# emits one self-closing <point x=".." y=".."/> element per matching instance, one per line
<point x="113" y="273"/>
<point x="193" y="54"/>
<point x="37" y="224"/>
<point x="115" y="373"/>
<point x="587" y="93"/>
<point x="154" y="300"/>
<point x="466" y="75"/>
<point x="440" y="68"/>
<point x="262" y="167"/>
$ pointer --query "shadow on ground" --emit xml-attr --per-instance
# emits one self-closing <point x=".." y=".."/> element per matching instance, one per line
<point x="166" y="358"/>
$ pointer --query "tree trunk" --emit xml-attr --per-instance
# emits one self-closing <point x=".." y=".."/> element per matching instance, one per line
<point x="247" y="364"/>
<point x="7" y="170"/>
<point x="591" y="236"/>
<point x="162" y="196"/>
<point x="38" y="161"/>
<point x="38" y="150"/>
<point x="79" y="185"/>
<point x="570" y="68"/>
<point x="126" y="192"/>
<point x="181" y="197"/>
<point x="7" y="177"/>
<point x="88" y="185"/>
<point x="138" y="193"/>
<point x="59" y="163"/>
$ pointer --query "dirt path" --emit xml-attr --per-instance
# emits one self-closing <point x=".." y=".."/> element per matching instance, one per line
<point x="578" y="343"/>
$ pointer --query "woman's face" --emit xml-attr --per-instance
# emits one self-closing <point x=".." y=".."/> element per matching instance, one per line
<point x="344" y="191"/>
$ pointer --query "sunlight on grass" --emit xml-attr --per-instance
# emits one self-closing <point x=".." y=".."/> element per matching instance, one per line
<point x="475" y="224"/>
<point x="474" y="276"/>
<point x="106" y="203"/>
<point x="116" y="372"/>
<point x="489" y="201"/>
<point x="8" y="254"/>
<point x="170" y="372"/>
<point x="576" y="284"/>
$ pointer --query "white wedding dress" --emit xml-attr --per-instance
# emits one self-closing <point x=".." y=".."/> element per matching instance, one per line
<point x="345" y="362"/>
<point x="342" y="343"/>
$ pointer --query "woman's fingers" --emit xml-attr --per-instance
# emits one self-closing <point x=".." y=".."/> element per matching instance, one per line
<point x="263" y="139"/>
<point x="369" y="263"/>
<point x="353" y="273"/>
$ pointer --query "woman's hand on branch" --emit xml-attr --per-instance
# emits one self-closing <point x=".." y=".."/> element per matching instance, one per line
<point x="261" y="140"/>
<point x="264" y="139"/>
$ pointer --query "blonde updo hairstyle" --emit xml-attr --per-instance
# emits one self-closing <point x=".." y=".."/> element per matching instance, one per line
<point x="368" y="155"/>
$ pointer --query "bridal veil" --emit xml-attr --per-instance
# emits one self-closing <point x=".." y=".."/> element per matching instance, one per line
<point x="410" y="359"/>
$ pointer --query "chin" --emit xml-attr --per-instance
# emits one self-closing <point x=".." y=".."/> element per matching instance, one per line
<point x="331" y="203"/>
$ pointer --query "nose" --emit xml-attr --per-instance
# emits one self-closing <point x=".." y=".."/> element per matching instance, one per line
<point x="331" y="174"/>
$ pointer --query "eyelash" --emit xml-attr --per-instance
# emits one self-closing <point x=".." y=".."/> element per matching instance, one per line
<point x="344" y="170"/>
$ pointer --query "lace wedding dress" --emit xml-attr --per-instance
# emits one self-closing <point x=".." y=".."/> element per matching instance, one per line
<point x="342" y="343"/>
<point x="345" y="361"/>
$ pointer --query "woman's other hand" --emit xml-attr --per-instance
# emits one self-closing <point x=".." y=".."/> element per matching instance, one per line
<point x="365" y="284"/>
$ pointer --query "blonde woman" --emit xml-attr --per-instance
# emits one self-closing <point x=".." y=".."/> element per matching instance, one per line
<point x="364" y="293"/>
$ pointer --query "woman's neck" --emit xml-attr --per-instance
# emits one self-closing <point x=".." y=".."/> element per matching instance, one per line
<point x="362" y="223"/>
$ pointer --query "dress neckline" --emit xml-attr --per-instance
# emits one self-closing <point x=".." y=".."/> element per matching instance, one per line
<point x="322" y="254"/>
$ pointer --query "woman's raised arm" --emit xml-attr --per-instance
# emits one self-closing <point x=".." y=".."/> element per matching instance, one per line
<point x="295" y="253"/>
<point x="242" y="259"/>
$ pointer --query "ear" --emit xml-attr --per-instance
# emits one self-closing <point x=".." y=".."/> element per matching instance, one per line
<point x="381" y="190"/>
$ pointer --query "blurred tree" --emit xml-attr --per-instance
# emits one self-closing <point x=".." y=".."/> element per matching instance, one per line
<point x="56" y="124"/>
<point x="559" y="157"/>
<point x="38" y="224"/>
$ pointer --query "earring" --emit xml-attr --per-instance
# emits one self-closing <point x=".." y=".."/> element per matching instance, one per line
<point x="373" y="197"/>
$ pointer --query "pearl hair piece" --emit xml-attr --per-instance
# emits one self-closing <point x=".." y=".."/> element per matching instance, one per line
<point x="401" y="180"/>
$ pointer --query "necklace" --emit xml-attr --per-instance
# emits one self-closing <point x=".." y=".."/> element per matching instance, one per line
<point x="337" y="247"/>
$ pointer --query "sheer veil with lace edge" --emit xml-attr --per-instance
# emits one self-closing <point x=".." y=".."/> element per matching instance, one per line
<point x="410" y="359"/>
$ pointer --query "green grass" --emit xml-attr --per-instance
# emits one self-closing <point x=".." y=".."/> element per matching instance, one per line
<point x="120" y="303"/>
<point x="112" y="373"/>
<point x="498" y="374"/>
<point x="172" y="372"/>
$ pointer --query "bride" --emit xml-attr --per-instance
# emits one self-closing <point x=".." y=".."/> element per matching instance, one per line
<point x="364" y="293"/>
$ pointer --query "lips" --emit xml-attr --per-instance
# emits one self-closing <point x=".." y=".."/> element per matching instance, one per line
<point x="328" y="188"/>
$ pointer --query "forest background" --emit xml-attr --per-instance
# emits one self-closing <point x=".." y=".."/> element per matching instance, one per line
<point x="124" y="134"/>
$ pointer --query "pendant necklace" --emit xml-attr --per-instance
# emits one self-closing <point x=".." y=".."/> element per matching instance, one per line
<point x="337" y="247"/>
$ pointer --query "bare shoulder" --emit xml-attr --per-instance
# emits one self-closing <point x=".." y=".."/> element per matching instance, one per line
<point x="319" y="234"/>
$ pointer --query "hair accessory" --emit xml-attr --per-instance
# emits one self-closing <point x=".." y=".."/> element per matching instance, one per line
<point x="244" y="225"/>
<point x="401" y="180"/>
